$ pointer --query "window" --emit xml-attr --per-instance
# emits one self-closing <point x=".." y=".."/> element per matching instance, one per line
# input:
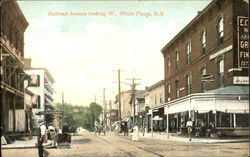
<point x="203" y="42"/>
<point x="161" y="98"/>
<point x="177" y="55"/>
<point x="242" y="120"/>
<point x="188" y="84"/>
<point x="177" y="88"/>
<point x="168" y="92"/>
<point x="35" y="80"/>
<point x="168" y="63"/>
<point x="221" y="30"/>
<point x="155" y="99"/>
<point x="36" y="101"/>
<point x="188" y="53"/>
<point x="221" y="73"/>
<point x="203" y="84"/>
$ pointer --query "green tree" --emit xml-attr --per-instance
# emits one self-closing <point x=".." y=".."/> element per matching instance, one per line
<point x="80" y="116"/>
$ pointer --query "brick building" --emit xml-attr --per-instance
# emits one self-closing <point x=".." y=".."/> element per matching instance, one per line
<point x="13" y="25"/>
<point x="206" y="70"/>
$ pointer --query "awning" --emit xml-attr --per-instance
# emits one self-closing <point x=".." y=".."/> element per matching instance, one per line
<point x="157" y="118"/>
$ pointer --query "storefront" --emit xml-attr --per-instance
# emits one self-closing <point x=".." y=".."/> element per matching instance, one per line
<point x="225" y="111"/>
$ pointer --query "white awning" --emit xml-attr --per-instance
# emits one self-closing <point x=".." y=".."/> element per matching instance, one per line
<point x="157" y="118"/>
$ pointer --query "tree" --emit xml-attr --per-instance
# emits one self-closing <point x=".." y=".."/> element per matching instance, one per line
<point x="80" y="116"/>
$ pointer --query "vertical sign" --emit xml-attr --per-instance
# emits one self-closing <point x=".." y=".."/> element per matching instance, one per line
<point x="243" y="54"/>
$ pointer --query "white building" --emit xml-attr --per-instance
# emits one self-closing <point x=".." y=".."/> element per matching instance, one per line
<point x="41" y="85"/>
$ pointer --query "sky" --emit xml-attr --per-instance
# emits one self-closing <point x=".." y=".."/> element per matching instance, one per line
<point x="83" y="43"/>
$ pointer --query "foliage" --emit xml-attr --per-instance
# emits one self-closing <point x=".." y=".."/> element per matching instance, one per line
<point x="80" y="116"/>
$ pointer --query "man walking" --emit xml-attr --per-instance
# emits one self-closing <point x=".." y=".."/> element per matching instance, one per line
<point x="189" y="127"/>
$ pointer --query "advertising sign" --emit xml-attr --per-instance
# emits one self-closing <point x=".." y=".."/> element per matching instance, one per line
<point x="243" y="54"/>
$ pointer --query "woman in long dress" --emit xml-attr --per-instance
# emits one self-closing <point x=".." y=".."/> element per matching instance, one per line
<point x="135" y="136"/>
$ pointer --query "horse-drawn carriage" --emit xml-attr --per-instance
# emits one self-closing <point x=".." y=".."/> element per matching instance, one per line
<point x="120" y="127"/>
<point x="100" y="129"/>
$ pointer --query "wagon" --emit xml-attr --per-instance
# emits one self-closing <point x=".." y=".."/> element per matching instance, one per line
<point x="124" y="127"/>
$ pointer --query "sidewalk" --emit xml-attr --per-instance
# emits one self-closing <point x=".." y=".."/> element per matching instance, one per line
<point x="24" y="144"/>
<point x="177" y="138"/>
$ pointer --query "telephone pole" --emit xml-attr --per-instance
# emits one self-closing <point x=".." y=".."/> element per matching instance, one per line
<point x="62" y="109"/>
<point x="104" y="108"/>
<point x="119" y="94"/>
<point x="133" y="85"/>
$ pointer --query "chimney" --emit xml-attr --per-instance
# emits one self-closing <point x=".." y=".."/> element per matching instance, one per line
<point x="27" y="63"/>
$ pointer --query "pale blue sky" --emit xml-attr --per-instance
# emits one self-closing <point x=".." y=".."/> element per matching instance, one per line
<point x="82" y="51"/>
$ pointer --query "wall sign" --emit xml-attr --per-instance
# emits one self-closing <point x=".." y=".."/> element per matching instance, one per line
<point x="243" y="54"/>
<point x="241" y="80"/>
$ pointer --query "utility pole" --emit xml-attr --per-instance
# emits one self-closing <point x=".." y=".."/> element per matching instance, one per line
<point x="133" y="85"/>
<point x="119" y="94"/>
<point x="110" y="108"/>
<point x="62" y="109"/>
<point x="104" y="108"/>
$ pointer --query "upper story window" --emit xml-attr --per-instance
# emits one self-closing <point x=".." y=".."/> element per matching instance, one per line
<point x="169" y="65"/>
<point x="161" y="98"/>
<point x="203" y="84"/>
<point x="35" y="80"/>
<point x="36" y="101"/>
<point x="203" y="42"/>
<point x="177" y="88"/>
<point x="168" y="92"/>
<point x="221" y="73"/>
<point x="188" y="52"/>
<point x="177" y="58"/>
<point x="188" y="84"/>
<point x="220" y="30"/>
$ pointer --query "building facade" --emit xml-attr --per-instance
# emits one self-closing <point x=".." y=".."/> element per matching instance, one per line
<point x="13" y="26"/>
<point x="41" y="84"/>
<point x="207" y="62"/>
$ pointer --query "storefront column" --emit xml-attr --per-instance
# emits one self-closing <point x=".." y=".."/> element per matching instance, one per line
<point x="189" y="111"/>
<point x="215" y="119"/>
<point x="167" y="125"/>
<point x="234" y="120"/>
<point x="152" y="124"/>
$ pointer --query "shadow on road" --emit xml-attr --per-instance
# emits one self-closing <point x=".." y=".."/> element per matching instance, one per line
<point x="81" y="141"/>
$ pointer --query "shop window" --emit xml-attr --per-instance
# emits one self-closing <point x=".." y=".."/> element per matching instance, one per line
<point x="224" y="119"/>
<point x="242" y="120"/>
<point x="203" y="42"/>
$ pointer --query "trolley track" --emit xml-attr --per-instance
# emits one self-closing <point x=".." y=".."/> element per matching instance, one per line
<point x="128" y="154"/>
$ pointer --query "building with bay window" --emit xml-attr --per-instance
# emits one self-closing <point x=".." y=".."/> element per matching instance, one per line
<point x="41" y="84"/>
<point x="206" y="71"/>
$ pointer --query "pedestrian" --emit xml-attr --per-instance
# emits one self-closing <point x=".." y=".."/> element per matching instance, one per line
<point x="189" y="128"/>
<point x="135" y="136"/>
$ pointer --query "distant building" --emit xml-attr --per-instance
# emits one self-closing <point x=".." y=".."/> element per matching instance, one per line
<point x="206" y="71"/>
<point x="155" y="97"/>
<point x="13" y="25"/>
<point x="41" y="84"/>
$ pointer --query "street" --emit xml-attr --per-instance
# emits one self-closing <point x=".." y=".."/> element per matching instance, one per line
<point x="92" y="145"/>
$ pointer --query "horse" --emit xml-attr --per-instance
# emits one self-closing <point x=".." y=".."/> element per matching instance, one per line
<point x="99" y="129"/>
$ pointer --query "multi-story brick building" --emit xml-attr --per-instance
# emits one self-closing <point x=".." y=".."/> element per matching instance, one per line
<point x="206" y="70"/>
<point x="13" y="25"/>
